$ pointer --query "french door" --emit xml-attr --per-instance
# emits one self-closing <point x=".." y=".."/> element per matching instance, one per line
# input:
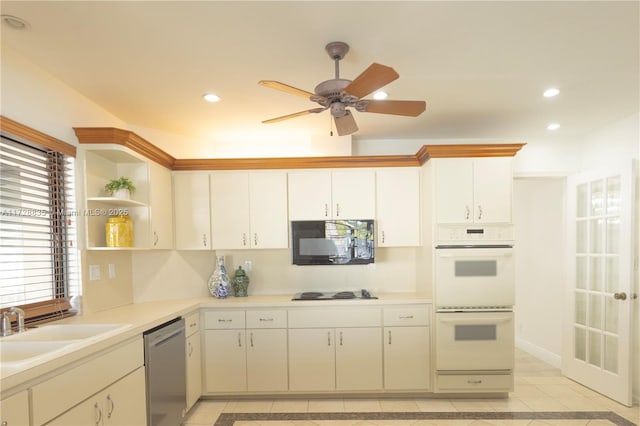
<point x="598" y="330"/>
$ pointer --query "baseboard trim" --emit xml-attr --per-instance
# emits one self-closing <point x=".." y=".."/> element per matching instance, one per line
<point x="543" y="354"/>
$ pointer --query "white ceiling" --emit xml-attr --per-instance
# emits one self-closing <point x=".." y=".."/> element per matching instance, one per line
<point x="481" y="66"/>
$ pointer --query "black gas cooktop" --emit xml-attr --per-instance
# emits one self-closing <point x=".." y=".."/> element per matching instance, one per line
<point x="316" y="295"/>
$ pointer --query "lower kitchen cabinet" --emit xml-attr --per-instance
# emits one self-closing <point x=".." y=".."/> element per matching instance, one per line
<point x="14" y="410"/>
<point x="335" y="359"/>
<point x="194" y="370"/>
<point x="406" y="358"/>
<point x="239" y="359"/>
<point x="121" y="404"/>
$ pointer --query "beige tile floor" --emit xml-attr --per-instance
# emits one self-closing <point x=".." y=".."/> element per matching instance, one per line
<point x="538" y="387"/>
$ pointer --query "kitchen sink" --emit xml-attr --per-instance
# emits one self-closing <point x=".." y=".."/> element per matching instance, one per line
<point x="16" y="351"/>
<point x="57" y="332"/>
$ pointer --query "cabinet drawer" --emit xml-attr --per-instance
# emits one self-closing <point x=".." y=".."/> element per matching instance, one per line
<point x="223" y="319"/>
<point x="336" y="317"/>
<point x="406" y="315"/>
<point x="474" y="382"/>
<point x="266" y="319"/>
<point x="192" y="323"/>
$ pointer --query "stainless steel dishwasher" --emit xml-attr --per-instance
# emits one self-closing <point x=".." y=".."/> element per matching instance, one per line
<point x="165" y="362"/>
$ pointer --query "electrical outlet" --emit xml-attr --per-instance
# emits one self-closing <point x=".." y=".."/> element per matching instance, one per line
<point x="94" y="272"/>
<point x="248" y="265"/>
<point x="112" y="271"/>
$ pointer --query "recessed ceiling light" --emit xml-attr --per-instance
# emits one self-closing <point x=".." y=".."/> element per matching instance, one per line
<point x="211" y="97"/>
<point x="15" y="23"/>
<point x="551" y="92"/>
<point x="553" y="126"/>
<point x="380" y="95"/>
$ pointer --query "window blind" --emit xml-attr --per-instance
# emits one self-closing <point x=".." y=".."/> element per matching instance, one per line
<point x="38" y="255"/>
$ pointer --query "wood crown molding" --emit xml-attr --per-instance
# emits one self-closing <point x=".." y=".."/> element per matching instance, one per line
<point x="27" y="134"/>
<point x="126" y="138"/>
<point x="106" y="135"/>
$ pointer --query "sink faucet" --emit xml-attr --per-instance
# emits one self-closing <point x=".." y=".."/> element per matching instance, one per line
<point x="5" y="330"/>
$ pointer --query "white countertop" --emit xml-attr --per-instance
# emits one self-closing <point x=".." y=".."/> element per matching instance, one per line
<point x="143" y="316"/>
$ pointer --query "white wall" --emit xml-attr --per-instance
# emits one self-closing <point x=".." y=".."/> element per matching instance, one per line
<point x="539" y="217"/>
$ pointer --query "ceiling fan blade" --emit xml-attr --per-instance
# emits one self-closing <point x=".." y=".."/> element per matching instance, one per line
<point x="295" y="114"/>
<point x="346" y="124"/>
<point x="371" y="79"/>
<point x="409" y="108"/>
<point x="286" y="88"/>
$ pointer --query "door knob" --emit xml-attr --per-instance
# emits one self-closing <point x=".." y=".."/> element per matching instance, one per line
<point x="620" y="296"/>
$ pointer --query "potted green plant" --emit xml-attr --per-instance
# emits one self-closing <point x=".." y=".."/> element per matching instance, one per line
<point x="120" y="188"/>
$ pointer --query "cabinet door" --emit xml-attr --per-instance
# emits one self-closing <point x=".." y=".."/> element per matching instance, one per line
<point x="225" y="363"/>
<point x="406" y="358"/>
<point x="358" y="359"/>
<point x="268" y="210"/>
<point x="398" y="207"/>
<point x="194" y="370"/>
<point x="353" y="194"/>
<point x="230" y="210"/>
<point x="454" y="190"/>
<point x="492" y="182"/>
<point x="125" y="402"/>
<point x="191" y="209"/>
<point x="89" y="412"/>
<point x="267" y="360"/>
<point x="310" y="195"/>
<point x="161" y="206"/>
<point x="311" y="359"/>
<point x="14" y="410"/>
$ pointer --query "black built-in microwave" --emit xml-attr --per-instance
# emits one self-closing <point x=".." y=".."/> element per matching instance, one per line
<point x="332" y="242"/>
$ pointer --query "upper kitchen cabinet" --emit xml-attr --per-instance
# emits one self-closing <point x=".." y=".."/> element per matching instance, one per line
<point x="473" y="190"/>
<point x="322" y="195"/>
<point x="249" y="210"/>
<point x="191" y="211"/>
<point x="398" y="207"/>
<point x="107" y="153"/>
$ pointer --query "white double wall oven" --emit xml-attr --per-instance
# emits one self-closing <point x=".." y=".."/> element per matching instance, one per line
<point x="474" y="298"/>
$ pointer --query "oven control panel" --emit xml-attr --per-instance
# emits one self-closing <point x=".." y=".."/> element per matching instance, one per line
<point x="475" y="233"/>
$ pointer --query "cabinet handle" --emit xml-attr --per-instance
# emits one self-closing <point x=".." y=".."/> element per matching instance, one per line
<point x="405" y="317"/>
<point x="266" y="319"/>
<point x="244" y="239"/>
<point x="155" y="239"/>
<point x="326" y="210"/>
<point x="224" y="320"/>
<point x="337" y="209"/>
<point x="204" y="240"/>
<point x="474" y="382"/>
<point x="467" y="212"/>
<point x="239" y="340"/>
<point x="98" y="414"/>
<point x="190" y="348"/>
<point x="328" y="338"/>
<point x="389" y="336"/>
<point x="111" y="405"/>
<point x="251" y="339"/>
<point x="255" y="239"/>
<point x="479" y="212"/>
<point x="341" y="338"/>
<point x="383" y="236"/>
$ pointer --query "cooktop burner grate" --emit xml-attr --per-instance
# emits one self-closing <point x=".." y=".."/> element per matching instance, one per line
<point x="316" y="295"/>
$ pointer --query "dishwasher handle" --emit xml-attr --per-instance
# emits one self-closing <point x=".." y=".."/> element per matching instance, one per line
<point x="163" y="338"/>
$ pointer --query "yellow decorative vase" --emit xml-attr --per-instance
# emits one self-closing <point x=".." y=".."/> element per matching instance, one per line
<point x="119" y="231"/>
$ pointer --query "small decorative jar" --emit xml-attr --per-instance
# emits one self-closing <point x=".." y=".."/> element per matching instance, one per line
<point x="240" y="283"/>
<point x="219" y="285"/>
<point x="119" y="231"/>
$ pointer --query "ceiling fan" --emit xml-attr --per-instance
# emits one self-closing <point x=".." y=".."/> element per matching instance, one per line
<point x="339" y="94"/>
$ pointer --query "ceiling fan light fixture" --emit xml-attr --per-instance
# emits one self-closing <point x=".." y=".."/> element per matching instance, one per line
<point x="211" y="97"/>
<point x="380" y="95"/>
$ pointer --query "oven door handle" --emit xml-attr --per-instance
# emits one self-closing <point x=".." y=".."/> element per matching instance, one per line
<point x="467" y="255"/>
<point x="475" y="320"/>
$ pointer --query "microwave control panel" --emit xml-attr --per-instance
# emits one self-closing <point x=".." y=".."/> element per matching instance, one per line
<point x="465" y="233"/>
